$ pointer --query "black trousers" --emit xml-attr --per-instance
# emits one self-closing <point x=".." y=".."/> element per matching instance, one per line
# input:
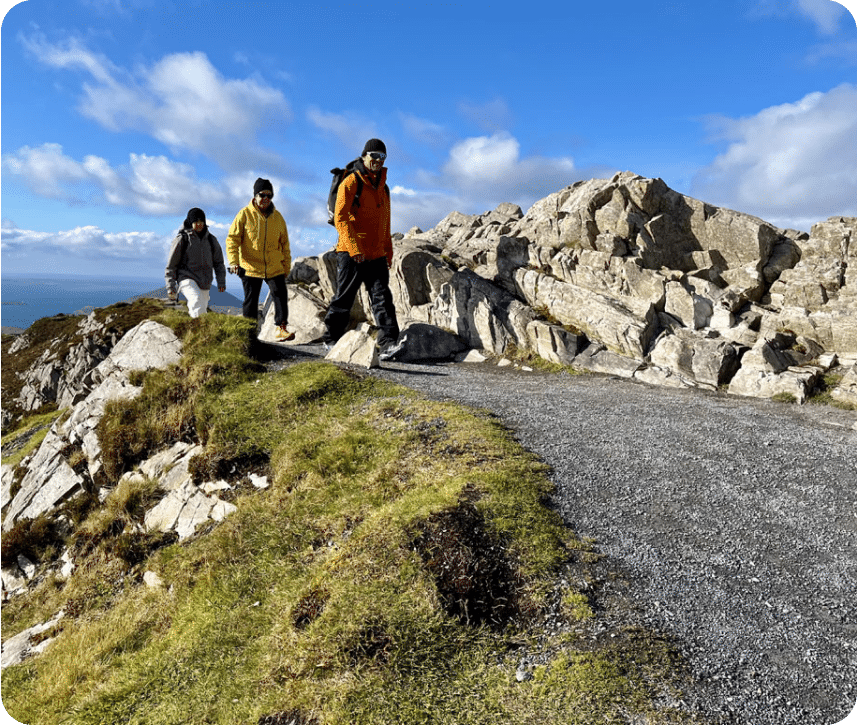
<point x="375" y="276"/>
<point x="279" y="292"/>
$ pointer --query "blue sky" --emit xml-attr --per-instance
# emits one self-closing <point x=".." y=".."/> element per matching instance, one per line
<point x="120" y="115"/>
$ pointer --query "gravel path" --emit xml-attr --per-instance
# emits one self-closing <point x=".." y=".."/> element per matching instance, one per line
<point x="734" y="520"/>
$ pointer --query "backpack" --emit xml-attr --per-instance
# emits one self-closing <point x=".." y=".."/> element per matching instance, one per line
<point x="339" y="175"/>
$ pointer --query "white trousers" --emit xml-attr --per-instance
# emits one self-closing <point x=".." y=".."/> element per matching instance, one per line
<point x="197" y="299"/>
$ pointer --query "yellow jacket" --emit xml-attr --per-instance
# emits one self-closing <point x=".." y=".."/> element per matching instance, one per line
<point x="258" y="243"/>
<point x="364" y="229"/>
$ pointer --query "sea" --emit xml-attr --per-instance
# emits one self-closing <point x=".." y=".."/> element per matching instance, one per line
<point x="26" y="298"/>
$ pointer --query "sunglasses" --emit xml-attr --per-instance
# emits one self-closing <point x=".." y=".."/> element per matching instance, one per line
<point x="265" y="194"/>
<point x="379" y="155"/>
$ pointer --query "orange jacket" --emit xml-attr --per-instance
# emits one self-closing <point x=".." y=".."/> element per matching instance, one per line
<point x="364" y="229"/>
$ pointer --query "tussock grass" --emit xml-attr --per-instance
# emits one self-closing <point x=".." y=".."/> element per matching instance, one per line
<point x="401" y="558"/>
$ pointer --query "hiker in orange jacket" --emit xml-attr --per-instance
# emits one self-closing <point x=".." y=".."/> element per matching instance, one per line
<point x="365" y="250"/>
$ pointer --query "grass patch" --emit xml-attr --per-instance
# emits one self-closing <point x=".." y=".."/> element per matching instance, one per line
<point x="402" y="556"/>
<point x="175" y="403"/>
<point x="29" y="435"/>
<point x="821" y="394"/>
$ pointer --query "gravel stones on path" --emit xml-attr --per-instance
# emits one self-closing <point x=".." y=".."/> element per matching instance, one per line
<point x="733" y="519"/>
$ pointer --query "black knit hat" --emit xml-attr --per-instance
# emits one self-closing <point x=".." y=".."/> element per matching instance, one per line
<point x="262" y="185"/>
<point x="194" y="215"/>
<point x="374" y="144"/>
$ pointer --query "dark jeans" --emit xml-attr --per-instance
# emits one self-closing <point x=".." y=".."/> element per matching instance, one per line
<point x="376" y="277"/>
<point x="279" y="292"/>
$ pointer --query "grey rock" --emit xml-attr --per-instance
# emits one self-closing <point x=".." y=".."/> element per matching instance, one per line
<point x="17" y="648"/>
<point x="355" y="347"/>
<point x="846" y="391"/>
<point x="421" y="341"/>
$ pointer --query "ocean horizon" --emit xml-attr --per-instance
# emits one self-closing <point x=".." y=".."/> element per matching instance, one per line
<point x="27" y="297"/>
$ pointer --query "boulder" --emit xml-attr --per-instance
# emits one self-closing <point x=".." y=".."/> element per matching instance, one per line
<point x="306" y="317"/>
<point x="17" y="648"/>
<point x="482" y="314"/>
<point x="846" y="391"/>
<point x="355" y="347"/>
<point x="624" y="325"/>
<point x="552" y="342"/>
<point x="598" y="359"/>
<point x="706" y="361"/>
<point x="50" y="479"/>
<point x="772" y="368"/>
<point x="421" y="341"/>
<point x="186" y="506"/>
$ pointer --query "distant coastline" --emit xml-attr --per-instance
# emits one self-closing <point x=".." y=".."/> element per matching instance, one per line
<point x="27" y="297"/>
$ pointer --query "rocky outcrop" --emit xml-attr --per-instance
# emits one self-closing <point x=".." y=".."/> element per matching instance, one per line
<point x="60" y="373"/>
<point x="186" y="506"/>
<point x="626" y="276"/>
<point x="54" y="473"/>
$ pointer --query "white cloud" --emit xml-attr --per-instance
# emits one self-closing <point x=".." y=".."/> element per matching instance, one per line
<point x="87" y="242"/>
<point x="350" y="129"/>
<point x="826" y="14"/>
<point x="182" y="100"/>
<point x="151" y="185"/>
<point x="492" y="116"/>
<point x="490" y="169"/>
<point x="423" y="209"/>
<point x="424" y="131"/>
<point x="403" y="191"/>
<point x="792" y="164"/>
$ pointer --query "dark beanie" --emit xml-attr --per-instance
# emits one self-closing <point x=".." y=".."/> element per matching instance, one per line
<point x="194" y="215"/>
<point x="262" y="185"/>
<point x="374" y="144"/>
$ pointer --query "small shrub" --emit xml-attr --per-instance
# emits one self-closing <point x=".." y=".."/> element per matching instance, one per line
<point x="38" y="540"/>
<point x="135" y="547"/>
<point x="309" y="608"/>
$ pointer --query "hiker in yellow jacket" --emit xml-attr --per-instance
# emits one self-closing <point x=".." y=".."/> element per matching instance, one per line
<point x="257" y="248"/>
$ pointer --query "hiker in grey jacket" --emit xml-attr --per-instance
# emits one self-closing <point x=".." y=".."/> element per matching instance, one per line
<point x="192" y="262"/>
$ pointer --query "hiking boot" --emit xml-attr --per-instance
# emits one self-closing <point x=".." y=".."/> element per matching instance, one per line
<point x="392" y="350"/>
<point x="283" y="334"/>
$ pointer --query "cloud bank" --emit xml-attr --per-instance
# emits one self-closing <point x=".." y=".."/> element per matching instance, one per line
<point x="86" y="242"/>
<point x="182" y="100"/>
<point x="792" y="164"/>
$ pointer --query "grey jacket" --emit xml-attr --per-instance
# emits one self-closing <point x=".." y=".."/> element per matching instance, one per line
<point x="196" y="258"/>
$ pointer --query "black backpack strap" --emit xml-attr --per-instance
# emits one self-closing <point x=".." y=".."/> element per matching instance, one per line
<point x="359" y="190"/>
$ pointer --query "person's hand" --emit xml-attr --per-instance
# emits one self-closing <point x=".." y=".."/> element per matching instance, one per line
<point x="221" y="289"/>
<point x="171" y="295"/>
<point x="233" y="270"/>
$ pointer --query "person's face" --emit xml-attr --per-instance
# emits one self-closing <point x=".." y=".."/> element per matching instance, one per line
<point x="198" y="225"/>
<point x="263" y="199"/>
<point x="374" y="160"/>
